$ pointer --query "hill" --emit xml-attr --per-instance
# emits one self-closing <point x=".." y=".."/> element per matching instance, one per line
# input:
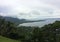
<point x="18" y="21"/>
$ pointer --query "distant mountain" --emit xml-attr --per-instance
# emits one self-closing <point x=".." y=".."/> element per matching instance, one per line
<point x="14" y="20"/>
<point x="56" y="19"/>
<point x="17" y="21"/>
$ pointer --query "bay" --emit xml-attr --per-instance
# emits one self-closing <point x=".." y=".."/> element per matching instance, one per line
<point x="41" y="23"/>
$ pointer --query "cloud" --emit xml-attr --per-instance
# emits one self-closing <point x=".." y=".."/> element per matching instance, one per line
<point x="30" y="9"/>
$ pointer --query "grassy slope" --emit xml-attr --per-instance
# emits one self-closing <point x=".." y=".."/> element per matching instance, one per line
<point x="4" y="39"/>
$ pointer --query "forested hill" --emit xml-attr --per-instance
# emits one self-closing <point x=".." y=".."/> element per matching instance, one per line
<point x="18" y="21"/>
<point x="47" y="33"/>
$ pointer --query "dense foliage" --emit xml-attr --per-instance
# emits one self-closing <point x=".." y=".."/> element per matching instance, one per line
<point x="48" y="33"/>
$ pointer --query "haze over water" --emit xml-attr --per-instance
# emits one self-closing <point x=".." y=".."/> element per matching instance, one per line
<point x="41" y="23"/>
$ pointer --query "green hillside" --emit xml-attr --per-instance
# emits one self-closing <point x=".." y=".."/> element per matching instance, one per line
<point x="4" y="39"/>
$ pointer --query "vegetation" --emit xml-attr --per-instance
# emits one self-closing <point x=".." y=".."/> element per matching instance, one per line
<point x="4" y="39"/>
<point x="47" y="33"/>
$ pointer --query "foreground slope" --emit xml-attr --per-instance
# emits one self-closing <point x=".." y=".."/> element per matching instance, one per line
<point x="4" y="39"/>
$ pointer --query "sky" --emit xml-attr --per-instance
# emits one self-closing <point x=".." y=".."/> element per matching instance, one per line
<point x="30" y="9"/>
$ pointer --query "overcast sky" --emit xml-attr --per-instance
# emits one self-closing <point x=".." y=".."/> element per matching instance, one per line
<point x="30" y="9"/>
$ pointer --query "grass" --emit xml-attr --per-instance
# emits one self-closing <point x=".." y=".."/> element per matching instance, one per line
<point x="4" y="39"/>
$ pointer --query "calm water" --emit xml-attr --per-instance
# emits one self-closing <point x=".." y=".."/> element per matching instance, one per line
<point x="41" y="23"/>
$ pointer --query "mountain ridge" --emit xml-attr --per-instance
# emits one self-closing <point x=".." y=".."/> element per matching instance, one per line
<point x="18" y="21"/>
